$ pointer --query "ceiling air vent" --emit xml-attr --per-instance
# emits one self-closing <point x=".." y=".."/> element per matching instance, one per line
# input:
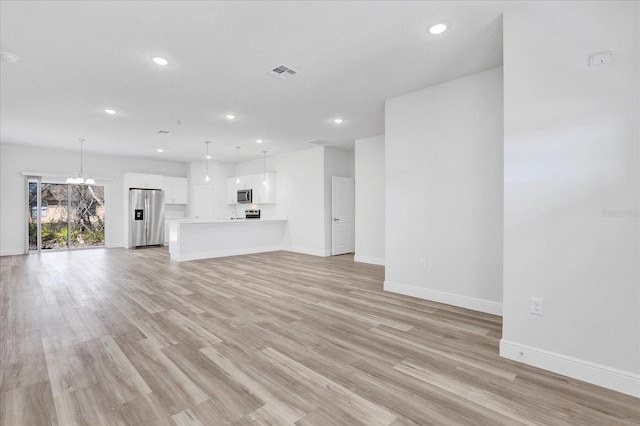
<point x="318" y="142"/>
<point x="164" y="132"/>
<point x="282" y="72"/>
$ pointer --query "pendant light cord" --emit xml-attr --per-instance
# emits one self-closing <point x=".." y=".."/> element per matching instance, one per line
<point x="207" y="178"/>
<point x="237" y="163"/>
<point x="264" y="167"/>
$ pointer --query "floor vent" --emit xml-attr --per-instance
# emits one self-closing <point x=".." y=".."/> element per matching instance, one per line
<point x="282" y="72"/>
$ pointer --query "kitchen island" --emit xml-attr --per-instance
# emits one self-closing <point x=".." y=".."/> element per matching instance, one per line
<point x="193" y="239"/>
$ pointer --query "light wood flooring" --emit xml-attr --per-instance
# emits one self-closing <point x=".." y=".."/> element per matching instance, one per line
<point x="119" y="337"/>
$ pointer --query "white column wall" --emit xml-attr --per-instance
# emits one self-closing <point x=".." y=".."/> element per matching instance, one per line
<point x="300" y="197"/>
<point x="370" y="200"/>
<point x="443" y="166"/>
<point x="571" y="191"/>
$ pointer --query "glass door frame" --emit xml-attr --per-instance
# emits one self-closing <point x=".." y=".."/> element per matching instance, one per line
<point x="38" y="180"/>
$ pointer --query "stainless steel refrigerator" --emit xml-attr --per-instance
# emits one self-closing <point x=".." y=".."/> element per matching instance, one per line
<point x="146" y="217"/>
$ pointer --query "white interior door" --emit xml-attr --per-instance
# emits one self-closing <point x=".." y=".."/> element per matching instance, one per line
<point x="342" y="212"/>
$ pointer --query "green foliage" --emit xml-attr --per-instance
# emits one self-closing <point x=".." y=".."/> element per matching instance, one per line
<point x="94" y="237"/>
<point x="55" y="234"/>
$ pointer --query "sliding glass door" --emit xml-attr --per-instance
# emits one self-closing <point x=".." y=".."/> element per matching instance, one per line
<point x="64" y="216"/>
<point x="86" y="215"/>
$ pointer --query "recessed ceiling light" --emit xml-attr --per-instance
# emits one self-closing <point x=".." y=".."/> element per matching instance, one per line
<point x="160" y="150"/>
<point x="438" y="29"/>
<point x="230" y="116"/>
<point x="110" y="111"/>
<point x="259" y="140"/>
<point x="9" y="57"/>
<point x="160" y="61"/>
<point x="208" y="157"/>
<point x="338" y="120"/>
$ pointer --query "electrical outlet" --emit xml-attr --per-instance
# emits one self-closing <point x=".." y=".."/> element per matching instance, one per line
<point x="536" y="306"/>
<point x="423" y="263"/>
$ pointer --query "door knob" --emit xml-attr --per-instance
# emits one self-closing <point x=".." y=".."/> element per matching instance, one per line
<point x="335" y="219"/>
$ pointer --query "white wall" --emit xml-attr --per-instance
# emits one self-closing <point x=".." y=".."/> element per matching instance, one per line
<point x="571" y="154"/>
<point x="301" y="197"/>
<point x="370" y="200"/>
<point x="352" y="163"/>
<point x="443" y="166"/>
<point x="15" y="159"/>
<point x="337" y="162"/>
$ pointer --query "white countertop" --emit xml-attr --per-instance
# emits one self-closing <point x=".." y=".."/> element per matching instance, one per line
<point x="186" y="221"/>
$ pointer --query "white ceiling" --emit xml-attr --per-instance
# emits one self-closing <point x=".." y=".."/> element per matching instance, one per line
<point x="79" y="57"/>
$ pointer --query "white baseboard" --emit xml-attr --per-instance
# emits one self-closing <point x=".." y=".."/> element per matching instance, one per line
<point x="313" y="252"/>
<point x="11" y="252"/>
<point x="369" y="259"/>
<point x="225" y="253"/>
<point x="466" y="302"/>
<point x="597" y="374"/>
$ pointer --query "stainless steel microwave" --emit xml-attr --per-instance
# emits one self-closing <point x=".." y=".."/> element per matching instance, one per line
<point x="244" y="196"/>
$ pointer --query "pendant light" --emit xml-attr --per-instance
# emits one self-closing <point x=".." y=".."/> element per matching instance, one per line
<point x="207" y="178"/>
<point x="264" y="168"/>
<point x="79" y="178"/>
<point x="237" y="164"/>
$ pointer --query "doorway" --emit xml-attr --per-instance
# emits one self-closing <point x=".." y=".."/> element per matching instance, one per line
<point x="64" y="216"/>
<point x="343" y="215"/>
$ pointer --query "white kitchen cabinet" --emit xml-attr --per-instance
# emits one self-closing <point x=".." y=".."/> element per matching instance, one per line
<point x="264" y="193"/>
<point x="143" y="181"/>
<point x="232" y="190"/>
<point x="245" y="182"/>
<point x="175" y="190"/>
<point x="202" y="201"/>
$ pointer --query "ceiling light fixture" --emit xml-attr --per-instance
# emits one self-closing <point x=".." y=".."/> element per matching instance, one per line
<point x="207" y="178"/>
<point x="110" y="111"/>
<point x="237" y="163"/>
<point x="230" y="116"/>
<point x="338" y="120"/>
<point x="79" y="178"/>
<point x="264" y="168"/>
<point x="438" y="29"/>
<point x="160" y="150"/>
<point x="9" y="57"/>
<point x="160" y="61"/>
<point x="259" y="140"/>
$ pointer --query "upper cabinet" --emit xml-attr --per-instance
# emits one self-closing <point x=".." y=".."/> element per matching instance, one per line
<point x="263" y="190"/>
<point x="232" y="190"/>
<point x="175" y="190"/>
<point x="143" y="181"/>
